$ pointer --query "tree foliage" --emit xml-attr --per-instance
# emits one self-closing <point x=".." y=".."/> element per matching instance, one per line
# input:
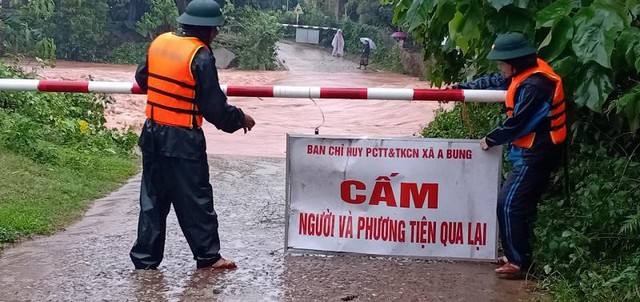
<point x="159" y="19"/>
<point x="594" y="45"/>
<point x="252" y="34"/>
<point x="587" y="250"/>
<point x="119" y="31"/>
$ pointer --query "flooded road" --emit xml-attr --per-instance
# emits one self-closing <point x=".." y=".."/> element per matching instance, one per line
<point x="89" y="260"/>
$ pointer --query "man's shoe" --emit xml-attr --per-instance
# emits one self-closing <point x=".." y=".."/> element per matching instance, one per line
<point x="508" y="269"/>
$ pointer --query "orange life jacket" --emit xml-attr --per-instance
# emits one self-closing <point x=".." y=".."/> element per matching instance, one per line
<point x="557" y="117"/>
<point x="171" y="93"/>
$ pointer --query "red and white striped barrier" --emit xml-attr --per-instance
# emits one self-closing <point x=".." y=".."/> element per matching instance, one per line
<point x="310" y="26"/>
<point x="401" y="94"/>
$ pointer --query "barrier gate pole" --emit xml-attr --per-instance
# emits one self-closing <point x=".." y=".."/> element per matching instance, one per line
<point x="399" y="94"/>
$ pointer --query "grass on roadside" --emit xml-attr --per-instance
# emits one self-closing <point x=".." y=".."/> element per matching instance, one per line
<point x="40" y="199"/>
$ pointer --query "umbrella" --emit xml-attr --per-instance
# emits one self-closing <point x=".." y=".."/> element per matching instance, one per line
<point x="399" y="35"/>
<point x="371" y="44"/>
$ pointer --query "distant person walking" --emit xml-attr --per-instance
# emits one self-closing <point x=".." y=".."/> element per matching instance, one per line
<point x="364" y="56"/>
<point x="338" y="44"/>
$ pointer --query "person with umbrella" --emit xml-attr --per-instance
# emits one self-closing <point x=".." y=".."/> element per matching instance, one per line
<point x="367" y="44"/>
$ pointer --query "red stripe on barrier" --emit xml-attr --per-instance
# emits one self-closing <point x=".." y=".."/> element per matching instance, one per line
<point x="137" y="90"/>
<point x="343" y="93"/>
<point x="63" y="86"/>
<point x="455" y="95"/>
<point x="255" y="91"/>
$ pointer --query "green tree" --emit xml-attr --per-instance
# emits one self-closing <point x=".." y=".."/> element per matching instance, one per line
<point x="21" y="31"/>
<point x="588" y="250"/>
<point x="594" y="45"/>
<point x="159" y="19"/>
<point x="79" y="29"/>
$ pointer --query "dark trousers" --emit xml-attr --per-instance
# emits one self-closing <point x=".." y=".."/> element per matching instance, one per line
<point x="517" y="208"/>
<point x="185" y="184"/>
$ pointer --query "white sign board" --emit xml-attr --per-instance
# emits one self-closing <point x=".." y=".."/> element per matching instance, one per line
<point x="400" y="197"/>
<point x="311" y="36"/>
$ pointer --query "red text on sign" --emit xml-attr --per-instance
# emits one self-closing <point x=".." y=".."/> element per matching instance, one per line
<point x="317" y="224"/>
<point x="354" y="192"/>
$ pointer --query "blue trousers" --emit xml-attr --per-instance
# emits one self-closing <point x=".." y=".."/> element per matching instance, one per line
<point x="517" y="208"/>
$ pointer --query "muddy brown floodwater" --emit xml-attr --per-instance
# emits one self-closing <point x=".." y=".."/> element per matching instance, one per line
<point x="89" y="260"/>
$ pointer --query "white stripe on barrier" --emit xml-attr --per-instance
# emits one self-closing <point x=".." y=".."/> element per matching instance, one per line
<point x="390" y="93"/>
<point x="110" y="87"/>
<point x="296" y="92"/>
<point x="484" y="96"/>
<point x="19" y="85"/>
<point x="309" y="26"/>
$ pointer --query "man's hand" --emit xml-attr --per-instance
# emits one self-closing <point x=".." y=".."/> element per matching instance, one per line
<point x="483" y="144"/>
<point x="248" y="123"/>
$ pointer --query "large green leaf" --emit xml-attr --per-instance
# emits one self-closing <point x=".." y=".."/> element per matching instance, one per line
<point x="464" y="27"/>
<point x="595" y="85"/>
<point x="445" y="11"/>
<point x="566" y="68"/>
<point x="548" y="16"/>
<point x="619" y="6"/>
<point x="510" y="18"/>
<point x="419" y="12"/>
<point x="498" y="4"/>
<point x="596" y="28"/>
<point x="557" y="39"/>
<point x="635" y="10"/>
<point x="629" y="103"/>
<point x="400" y="11"/>
<point x="627" y="51"/>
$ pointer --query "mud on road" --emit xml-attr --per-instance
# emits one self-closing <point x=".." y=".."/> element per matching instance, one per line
<point x="89" y="260"/>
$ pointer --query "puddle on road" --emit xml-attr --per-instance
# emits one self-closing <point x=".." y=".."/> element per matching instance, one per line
<point x="89" y="261"/>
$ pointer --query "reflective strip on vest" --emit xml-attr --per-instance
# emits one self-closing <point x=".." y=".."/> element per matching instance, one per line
<point x="171" y="86"/>
<point x="557" y="116"/>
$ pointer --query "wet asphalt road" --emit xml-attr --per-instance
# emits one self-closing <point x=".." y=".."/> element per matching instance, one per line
<point x="89" y="261"/>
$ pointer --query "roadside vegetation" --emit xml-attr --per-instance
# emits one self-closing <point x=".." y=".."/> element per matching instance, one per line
<point x="116" y="31"/>
<point x="57" y="156"/>
<point x="588" y="248"/>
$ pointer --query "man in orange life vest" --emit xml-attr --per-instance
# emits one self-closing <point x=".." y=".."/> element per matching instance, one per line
<point x="535" y="128"/>
<point x="181" y="81"/>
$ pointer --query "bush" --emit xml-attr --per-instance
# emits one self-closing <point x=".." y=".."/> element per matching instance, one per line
<point x="36" y="125"/>
<point x="588" y="250"/>
<point x="471" y="120"/>
<point x="128" y="53"/>
<point x="79" y="29"/>
<point x="252" y="36"/>
<point x="159" y="19"/>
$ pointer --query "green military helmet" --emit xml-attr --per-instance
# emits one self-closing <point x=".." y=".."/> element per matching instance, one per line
<point x="510" y="46"/>
<point x="202" y="13"/>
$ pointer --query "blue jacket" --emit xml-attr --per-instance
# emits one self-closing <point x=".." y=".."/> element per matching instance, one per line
<point x="531" y="108"/>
